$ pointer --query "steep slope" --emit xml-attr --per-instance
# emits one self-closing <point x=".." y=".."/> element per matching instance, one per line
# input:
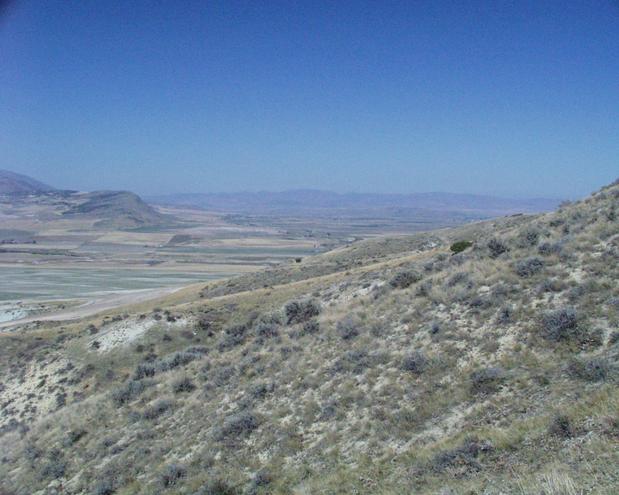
<point x="390" y="366"/>
<point x="12" y="183"/>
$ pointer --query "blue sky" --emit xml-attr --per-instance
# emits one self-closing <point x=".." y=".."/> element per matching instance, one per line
<point x="507" y="98"/>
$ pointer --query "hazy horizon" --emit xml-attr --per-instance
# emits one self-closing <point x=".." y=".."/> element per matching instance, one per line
<point x="292" y="190"/>
<point x="509" y="100"/>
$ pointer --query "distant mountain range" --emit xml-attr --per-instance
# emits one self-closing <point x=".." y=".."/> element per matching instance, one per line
<point x="127" y="210"/>
<point x="316" y="202"/>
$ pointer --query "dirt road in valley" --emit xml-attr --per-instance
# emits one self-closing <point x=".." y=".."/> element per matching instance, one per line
<point x="95" y="306"/>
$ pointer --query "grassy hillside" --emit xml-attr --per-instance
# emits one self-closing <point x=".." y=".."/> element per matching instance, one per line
<point x="391" y="366"/>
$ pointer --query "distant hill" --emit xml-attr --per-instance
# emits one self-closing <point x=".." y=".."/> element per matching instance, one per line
<point x="12" y="183"/>
<point x="109" y="209"/>
<point x="314" y="202"/>
<point x="119" y="209"/>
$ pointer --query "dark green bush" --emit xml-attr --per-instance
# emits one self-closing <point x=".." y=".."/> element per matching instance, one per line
<point x="459" y="246"/>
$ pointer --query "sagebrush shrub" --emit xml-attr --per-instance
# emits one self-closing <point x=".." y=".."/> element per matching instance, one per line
<point x="217" y="487"/>
<point x="172" y="474"/>
<point x="233" y="336"/>
<point x="506" y="315"/>
<point x="347" y="328"/>
<point x="301" y="311"/>
<point x="144" y="370"/>
<point x="463" y="457"/>
<point x="486" y="380"/>
<point x="129" y="391"/>
<point x="529" y="267"/>
<point x="591" y="370"/>
<point x="183" y="384"/>
<point x="415" y="363"/>
<point x="405" y="279"/>
<point x="561" y="325"/>
<point x="530" y="237"/>
<point x="266" y="330"/>
<point x="561" y="426"/>
<point x="497" y="248"/>
<point x="157" y="409"/>
<point x="310" y="327"/>
<point x="241" y="424"/>
<point x="547" y="248"/>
